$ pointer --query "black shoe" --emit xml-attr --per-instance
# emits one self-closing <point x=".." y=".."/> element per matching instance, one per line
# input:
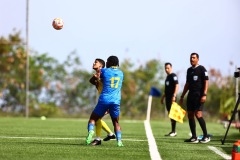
<point x="109" y="137"/>
<point x="95" y="142"/>
<point x="192" y="140"/>
<point x="205" y="139"/>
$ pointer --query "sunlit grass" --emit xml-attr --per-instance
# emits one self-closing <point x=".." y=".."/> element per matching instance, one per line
<point x="58" y="139"/>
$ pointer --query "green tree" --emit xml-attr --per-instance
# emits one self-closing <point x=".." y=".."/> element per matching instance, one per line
<point x="136" y="86"/>
<point x="12" y="67"/>
<point x="221" y="94"/>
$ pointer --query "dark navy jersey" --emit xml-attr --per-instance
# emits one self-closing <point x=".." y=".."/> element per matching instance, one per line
<point x="196" y="77"/>
<point x="170" y="84"/>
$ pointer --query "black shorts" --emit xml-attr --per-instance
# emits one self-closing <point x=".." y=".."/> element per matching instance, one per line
<point x="194" y="102"/>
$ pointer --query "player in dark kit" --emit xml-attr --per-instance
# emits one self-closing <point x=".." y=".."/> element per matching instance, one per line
<point x="197" y="85"/>
<point x="170" y="93"/>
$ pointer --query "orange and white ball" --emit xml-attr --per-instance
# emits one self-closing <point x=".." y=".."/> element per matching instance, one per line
<point x="57" y="23"/>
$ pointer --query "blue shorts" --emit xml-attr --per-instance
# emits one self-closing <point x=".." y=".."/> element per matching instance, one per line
<point x="114" y="110"/>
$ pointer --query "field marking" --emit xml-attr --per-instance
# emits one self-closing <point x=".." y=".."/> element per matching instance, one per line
<point x="60" y="138"/>
<point x="155" y="155"/>
<point x="225" y="156"/>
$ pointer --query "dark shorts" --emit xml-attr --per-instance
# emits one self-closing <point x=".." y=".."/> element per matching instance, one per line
<point x="114" y="110"/>
<point x="193" y="102"/>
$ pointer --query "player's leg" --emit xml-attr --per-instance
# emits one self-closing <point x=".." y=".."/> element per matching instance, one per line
<point x="98" y="128"/>
<point x="97" y="140"/>
<point x="173" y="132"/>
<point x="97" y="113"/>
<point x="202" y="124"/>
<point x="110" y="134"/>
<point x="91" y="123"/>
<point x="191" y="100"/>
<point x="173" y="124"/>
<point x="114" y="113"/>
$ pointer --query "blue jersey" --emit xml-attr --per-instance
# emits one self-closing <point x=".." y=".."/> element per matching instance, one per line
<point x="112" y="79"/>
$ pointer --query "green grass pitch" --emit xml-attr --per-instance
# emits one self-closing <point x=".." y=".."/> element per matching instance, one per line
<point x="64" y="139"/>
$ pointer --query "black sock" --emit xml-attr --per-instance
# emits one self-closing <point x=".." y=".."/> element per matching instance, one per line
<point x="202" y="125"/>
<point x="173" y="123"/>
<point x="192" y="125"/>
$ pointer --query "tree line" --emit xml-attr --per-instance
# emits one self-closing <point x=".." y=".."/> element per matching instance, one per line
<point x="63" y="89"/>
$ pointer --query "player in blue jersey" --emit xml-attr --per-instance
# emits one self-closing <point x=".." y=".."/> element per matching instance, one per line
<point x="109" y="99"/>
<point x="100" y="124"/>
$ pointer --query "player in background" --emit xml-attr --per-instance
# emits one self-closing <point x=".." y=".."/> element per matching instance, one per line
<point x="109" y="99"/>
<point x="100" y="124"/>
<point x="197" y="85"/>
<point x="170" y="93"/>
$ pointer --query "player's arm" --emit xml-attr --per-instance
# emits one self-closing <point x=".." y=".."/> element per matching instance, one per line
<point x="204" y="96"/>
<point x="93" y="80"/>
<point x="96" y="77"/>
<point x="162" y="99"/>
<point x="205" y="87"/>
<point x="175" y="92"/>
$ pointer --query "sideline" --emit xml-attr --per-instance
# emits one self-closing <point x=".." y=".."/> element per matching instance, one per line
<point x="155" y="155"/>
<point x="225" y="156"/>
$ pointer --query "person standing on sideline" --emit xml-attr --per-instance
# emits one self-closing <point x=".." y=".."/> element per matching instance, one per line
<point x="197" y="85"/>
<point x="170" y="93"/>
<point x="109" y="99"/>
<point x="100" y="124"/>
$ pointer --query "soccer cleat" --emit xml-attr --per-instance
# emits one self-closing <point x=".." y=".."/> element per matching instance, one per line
<point x="109" y="137"/>
<point x="96" y="142"/>
<point x="205" y="140"/>
<point x="171" y="134"/>
<point x="89" y="137"/>
<point x="192" y="140"/>
<point x="201" y="136"/>
<point x="120" y="144"/>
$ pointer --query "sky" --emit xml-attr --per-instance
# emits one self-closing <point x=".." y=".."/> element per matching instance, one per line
<point x="138" y="30"/>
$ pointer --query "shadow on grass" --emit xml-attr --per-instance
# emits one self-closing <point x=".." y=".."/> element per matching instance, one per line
<point x="228" y="143"/>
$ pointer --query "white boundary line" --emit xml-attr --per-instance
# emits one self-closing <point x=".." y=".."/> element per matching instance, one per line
<point x="225" y="156"/>
<point x="155" y="155"/>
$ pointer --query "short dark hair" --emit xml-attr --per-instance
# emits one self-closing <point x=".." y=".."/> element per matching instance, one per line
<point x="168" y="63"/>
<point x="112" y="61"/>
<point x="194" y="53"/>
<point x="101" y="61"/>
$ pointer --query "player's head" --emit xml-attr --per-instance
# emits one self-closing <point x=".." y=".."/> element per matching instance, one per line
<point x="98" y="63"/>
<point x="168" y="68"/>
<point x="194" y="58"/>
<point x="112" y="61"/>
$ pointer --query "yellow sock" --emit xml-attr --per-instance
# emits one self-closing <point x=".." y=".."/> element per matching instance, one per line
<point x="98" y="128"/>
<point x="105" y="127"/>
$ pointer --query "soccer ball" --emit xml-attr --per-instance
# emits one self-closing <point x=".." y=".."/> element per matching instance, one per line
<point x="57" y="23"/>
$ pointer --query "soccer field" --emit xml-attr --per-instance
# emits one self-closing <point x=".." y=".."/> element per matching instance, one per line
<point x="59" y="139"/>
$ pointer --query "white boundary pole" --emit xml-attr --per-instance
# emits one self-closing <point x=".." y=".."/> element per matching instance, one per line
<point x="149" y="107"/>
<point x="27" y="63"/>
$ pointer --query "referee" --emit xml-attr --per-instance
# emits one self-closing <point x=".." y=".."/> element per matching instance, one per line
<point x="170" y="93"/>
<point x="197" y="85"/>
